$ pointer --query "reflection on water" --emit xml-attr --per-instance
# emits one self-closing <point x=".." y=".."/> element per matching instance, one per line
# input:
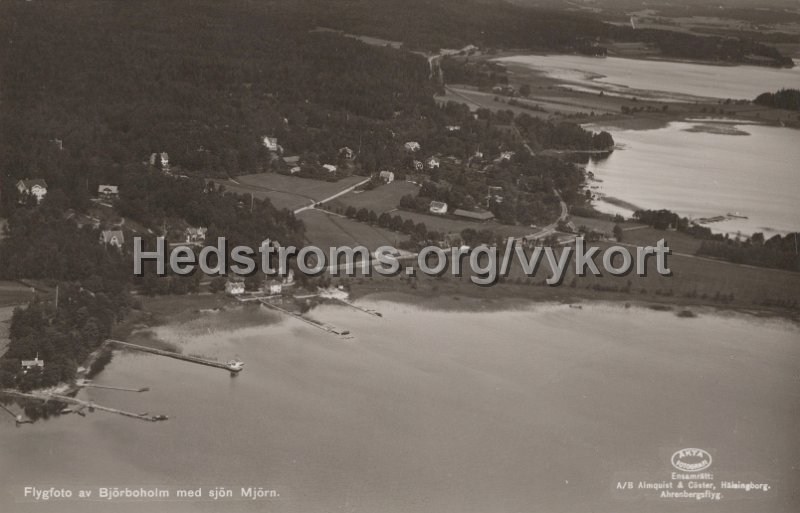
<point x="707" y="173"/>
<point x="529" y="409"/>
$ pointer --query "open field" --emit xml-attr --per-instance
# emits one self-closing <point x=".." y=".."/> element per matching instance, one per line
<point x="380" y="199"/>
<point x="328" y="230"/>
<point x="289" y="192"/>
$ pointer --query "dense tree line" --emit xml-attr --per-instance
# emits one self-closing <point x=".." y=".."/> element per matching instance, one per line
<point x="63" y="337"/>
<point x="780" y="252"/>
<point x="783" y="99"/>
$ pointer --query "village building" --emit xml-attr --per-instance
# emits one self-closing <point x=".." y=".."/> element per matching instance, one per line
<point x="412" y="146"/>
<point x="387" y="176"/>
<point x="32" y="364"/>
<point x="330" y="168"/>
<point x="433" y="163"/>
<point x="234" y="287"/>
<point x="438" y="207"/>
<point x="271" y="143"/>
<point x="108" y="192"/>
<point x="36" y="188"/>
<point x="294" y="170"/>
<point x="477" y="215"/>
<point x="453" y="128"/>
<point x="273" y="287"/>
<point x="112" y="238"/>
<point x="195" y="233"/>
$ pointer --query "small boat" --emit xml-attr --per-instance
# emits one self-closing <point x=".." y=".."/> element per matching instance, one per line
<point x="736" y="215"/>
<point x="160" y="417"/>
<point x="235" y="365"/>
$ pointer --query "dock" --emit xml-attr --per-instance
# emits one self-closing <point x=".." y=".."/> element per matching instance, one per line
<point x="323" y="327"/>
<point x="19" y="419"/>
<point x="83" y="404"/>
<point x="178" y="356"/>
<point x="374" y="313"/>
<point x="89" y="384"/>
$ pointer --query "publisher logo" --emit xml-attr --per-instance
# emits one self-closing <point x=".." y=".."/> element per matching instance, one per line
<point x="691" y="460"/>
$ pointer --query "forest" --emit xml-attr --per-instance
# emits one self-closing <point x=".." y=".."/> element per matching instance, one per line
<point x="499" y="24"/>
<point x="783" y="99"/>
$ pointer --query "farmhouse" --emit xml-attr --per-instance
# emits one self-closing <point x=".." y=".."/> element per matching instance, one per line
<point x="387" y="176"/>
<point x="433" y="163"/>
<point x="36" y="188"/>
<point x="438" y="207"/>
<point x="108" y="192"/>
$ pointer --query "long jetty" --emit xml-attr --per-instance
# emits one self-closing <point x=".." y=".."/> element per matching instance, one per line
<point x="108" y="387"/>
<point x="374" y="313"/>
<point x="71" y="400"/>
<point x="177" y="356"/>
<point x="323" y="327"/>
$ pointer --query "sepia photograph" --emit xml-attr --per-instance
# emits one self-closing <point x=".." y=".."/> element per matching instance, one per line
<point x="399" y="256"/>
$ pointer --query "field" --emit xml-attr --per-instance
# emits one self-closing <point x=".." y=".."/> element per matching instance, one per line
<point x="287" y="191"/>
<point x="328" y="230"/>
<point x="380" y="199"/>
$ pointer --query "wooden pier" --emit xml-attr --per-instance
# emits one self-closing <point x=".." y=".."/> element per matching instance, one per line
<point x="323" y="327"/>
<point x="177" y="356"/>
<point x="374" y="313"/>
<point x="88" y="384"/>
<point x="83" y="404"/>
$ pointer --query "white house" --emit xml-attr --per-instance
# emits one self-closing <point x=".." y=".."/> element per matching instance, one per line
<point x="273" y="287"/>
<point x="412" y="146"/>
<point x="270" y="143"/>
<point x="438" y="207"/>
<point x="195" y="233"/>
<point x="433" y="163"/>
<point x="330" y="168"/>
<point x="30" y="364"/>
<point x="234" y="287"/>
<point x="108" y="192"/>
<point x="387" y="176"/>
<point x="112" y="238"/>
<point x="36" y="187"/>
<point x="453" y="128"/>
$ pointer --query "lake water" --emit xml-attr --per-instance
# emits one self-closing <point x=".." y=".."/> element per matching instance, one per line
<point x="701" y="174"/>
<point x="670" y="80"/>
<point x="541" y="408"/>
